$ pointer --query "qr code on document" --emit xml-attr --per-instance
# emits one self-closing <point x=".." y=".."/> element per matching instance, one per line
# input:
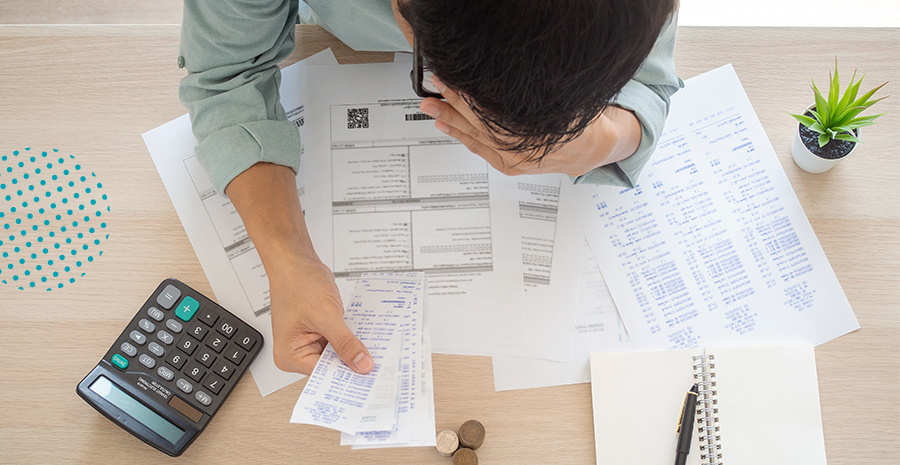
<point x="357" y="118"/>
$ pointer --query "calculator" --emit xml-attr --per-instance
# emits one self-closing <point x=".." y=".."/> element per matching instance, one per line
<point x="172" y="367"/>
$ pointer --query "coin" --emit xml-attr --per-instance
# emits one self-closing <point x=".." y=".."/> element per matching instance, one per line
<point x="465" y="457"/>
<point x="447" y="443"/>
<point x="471" y="434"/>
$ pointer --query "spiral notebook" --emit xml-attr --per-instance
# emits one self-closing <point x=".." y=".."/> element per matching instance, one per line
<point x="757" y="405"/>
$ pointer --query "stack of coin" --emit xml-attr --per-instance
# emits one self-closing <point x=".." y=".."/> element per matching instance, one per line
<point x="471" y="434"/>
<point x="447" y="443"/>
<point x="461" y="446"/>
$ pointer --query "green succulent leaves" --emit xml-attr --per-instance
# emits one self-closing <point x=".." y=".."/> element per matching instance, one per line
<point x="836" y="116"/>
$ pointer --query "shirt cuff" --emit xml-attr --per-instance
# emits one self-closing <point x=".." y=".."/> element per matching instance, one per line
<point x="230" y="151"/>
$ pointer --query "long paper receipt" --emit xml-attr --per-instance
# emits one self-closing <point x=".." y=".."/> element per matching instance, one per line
<point x="395" y="400"/>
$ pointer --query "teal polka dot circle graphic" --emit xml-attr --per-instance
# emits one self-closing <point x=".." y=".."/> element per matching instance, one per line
<point x="53" y="214"/>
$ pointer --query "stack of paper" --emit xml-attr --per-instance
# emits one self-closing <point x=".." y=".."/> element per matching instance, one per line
<point x="383" y="190"/>
<point x="392" y="406"/>
<point x="711" y="248"/>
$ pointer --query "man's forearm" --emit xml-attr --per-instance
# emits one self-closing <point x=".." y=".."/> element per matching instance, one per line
<point x="620" y="134"/>
<point x="306" y="303"/>
<point x="266" y="198"/>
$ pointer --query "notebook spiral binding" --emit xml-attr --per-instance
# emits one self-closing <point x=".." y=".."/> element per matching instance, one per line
<point x="707" y="410"/>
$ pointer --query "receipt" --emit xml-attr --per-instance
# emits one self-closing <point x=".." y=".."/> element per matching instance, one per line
<point x="386" y="312"/>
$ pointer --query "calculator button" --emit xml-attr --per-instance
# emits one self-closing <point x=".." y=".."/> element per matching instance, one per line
<point x="177" y="359"/>
<point x="119" y="361"/>
<point x="208" y="316"/>
<point x="214" y="383"/>
<point x="235" y="355"/>
<point x="198" y="331"/>
<point x="203" y="398"/>
<point x="147" y="361"/>
<point x="156" y="349"/>
<point x="146" y="325"/>
<point x="129" y="349"/>
<point x="216" y="343"/>
<point x="187" y="308"/>
<point x="165" y="373"/>
<point x="205" y="357"/>
<point x="174" y="325"/>
<point x="246" y="340"/>
<point x="226" y="328"/>
<point x="168" y="296"/>
<point x="188" y="344"/>
<point x="165" y="337"/>
<point x="184" y="385"/>
<point x="156" y="313"/>
<point x="138" y="337"/>
<point x="223" y="369"/>
<point x="195" y="370"/>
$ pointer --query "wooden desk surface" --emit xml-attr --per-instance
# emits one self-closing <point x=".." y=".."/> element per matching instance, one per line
<point x="93" y="90"/>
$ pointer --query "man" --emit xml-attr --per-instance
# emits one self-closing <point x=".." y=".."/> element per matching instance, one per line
<point x="579" y="87"/>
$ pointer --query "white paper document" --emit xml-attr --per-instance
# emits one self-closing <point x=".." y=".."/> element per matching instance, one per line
<point x="218" y="236"/>
<point x="393" y="405"/>
<point x="712" y="247"/>
<point x="551" y="250"/>
<point x="401" y="196"/>
<point x="597" y="327"/>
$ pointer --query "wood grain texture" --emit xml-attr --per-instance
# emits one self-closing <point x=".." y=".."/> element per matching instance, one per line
<point x="91" y="12"/>
<point x="93" y="90"/>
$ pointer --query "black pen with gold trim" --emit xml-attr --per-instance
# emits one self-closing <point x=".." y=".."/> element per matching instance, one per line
<point x="686" y="425"/>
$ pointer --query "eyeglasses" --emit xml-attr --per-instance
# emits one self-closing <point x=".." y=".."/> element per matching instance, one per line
<point x="421" y="75"/>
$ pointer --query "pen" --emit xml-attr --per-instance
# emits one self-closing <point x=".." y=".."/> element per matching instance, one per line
<point x="686" y="426"/>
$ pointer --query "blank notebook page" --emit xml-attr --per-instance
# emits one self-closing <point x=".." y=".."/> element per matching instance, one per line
<point x="768" y="405"/>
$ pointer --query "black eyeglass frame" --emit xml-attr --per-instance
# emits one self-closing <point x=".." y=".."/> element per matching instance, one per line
<point x="418" y="73"/>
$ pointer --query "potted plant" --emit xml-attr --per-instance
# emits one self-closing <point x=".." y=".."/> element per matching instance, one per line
<point x="829" y="129"/>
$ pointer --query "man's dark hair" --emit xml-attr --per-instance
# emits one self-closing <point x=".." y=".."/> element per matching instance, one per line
<point x="537" y="72"/>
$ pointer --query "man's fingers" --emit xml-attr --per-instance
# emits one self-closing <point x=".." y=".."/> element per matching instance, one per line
<point x="351" y="350"/>
<point x="448" y="114"/>
<point x="475" y="146"/>
<point x="300" y="360"/>
<point x="457" y="102"/>
<point x="456" y="119"/>
<point x="307" y="359"/>
<point x="450" y="122"/>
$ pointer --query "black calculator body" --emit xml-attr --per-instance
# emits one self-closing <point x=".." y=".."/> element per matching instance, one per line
<point x="172" y="367"/>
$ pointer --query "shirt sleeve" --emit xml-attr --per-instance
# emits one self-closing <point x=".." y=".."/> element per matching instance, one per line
<point x="648" y="94"/>
<point x="231" y="50"/>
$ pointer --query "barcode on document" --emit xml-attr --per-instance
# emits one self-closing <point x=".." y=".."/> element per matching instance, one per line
<point x="417" y="117"/>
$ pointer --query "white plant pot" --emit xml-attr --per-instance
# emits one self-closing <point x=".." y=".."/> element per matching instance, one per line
<point x="810" y="162"/>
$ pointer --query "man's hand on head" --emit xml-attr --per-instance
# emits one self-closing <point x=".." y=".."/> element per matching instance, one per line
<point x="612" y="137"/>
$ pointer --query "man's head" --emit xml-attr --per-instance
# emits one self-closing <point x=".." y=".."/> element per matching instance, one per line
<point x="536" y="72"/>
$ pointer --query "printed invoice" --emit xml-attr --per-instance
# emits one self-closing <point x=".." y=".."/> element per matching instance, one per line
<point x="597" y="328"/>
<point x="401" y="196"/>
<point x="712" y="247"/>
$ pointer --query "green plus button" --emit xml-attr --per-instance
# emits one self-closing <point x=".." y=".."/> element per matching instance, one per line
<point x="120" y="361"/>
<point x="187" y="308"/>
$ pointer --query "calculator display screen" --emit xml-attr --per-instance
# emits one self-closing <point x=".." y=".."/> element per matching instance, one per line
<point x="109" y="391"/>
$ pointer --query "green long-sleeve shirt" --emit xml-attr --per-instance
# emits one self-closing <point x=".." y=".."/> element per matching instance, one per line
<point x="231" y="49"/>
